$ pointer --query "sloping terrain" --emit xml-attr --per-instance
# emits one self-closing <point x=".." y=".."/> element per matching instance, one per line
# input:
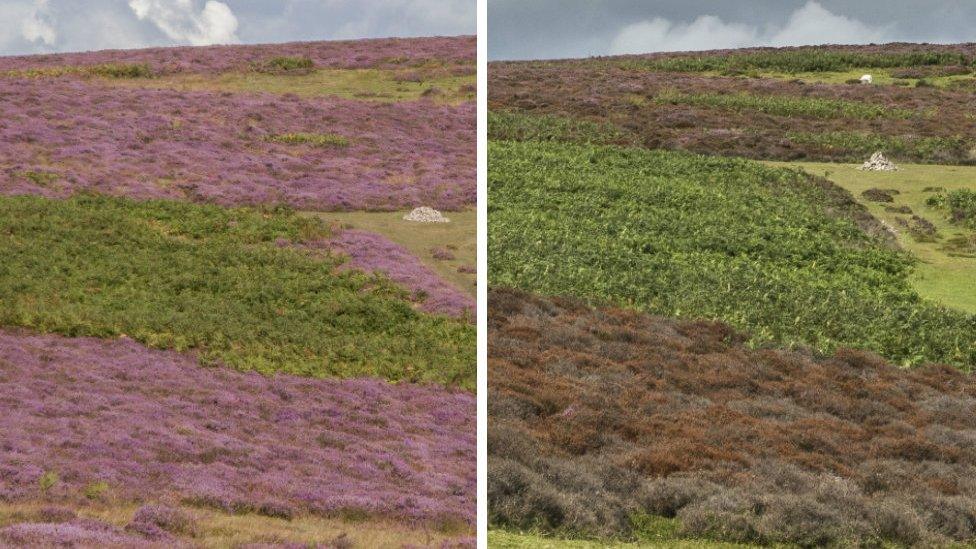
<point x="600" y="416"/>
<point x="196" y="347"/>
<point x="702" y="103"/>
<point x="809" y="381"/>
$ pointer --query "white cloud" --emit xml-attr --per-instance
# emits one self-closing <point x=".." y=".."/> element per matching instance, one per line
<point x="37" y="26"/>
<point x="811" y="24"/>
<point x="180" y="21"/>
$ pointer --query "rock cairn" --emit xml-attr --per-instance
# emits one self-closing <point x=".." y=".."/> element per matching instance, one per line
<point x="879" y="163"/>
<point x="424" y="214"/>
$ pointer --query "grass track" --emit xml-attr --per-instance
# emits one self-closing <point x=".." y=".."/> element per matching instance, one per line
<point x="950" y="280"/>
<point x="501" y="539"/>
<point x="459" y="236"/>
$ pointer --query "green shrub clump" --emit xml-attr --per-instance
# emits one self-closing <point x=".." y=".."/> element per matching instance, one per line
<point x="959" y="204"/>
<point x="286" y="64"/>
<point x="798" y="60"/>
<point x="235" y="285"/>
<point x="314" y="139"/>
<point x="772" y="251"/>
<point x="783" y="105"/>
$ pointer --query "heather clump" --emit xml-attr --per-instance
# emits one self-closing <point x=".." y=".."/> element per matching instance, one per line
<point x="162" y="522"/>
<point x="604" y="417"/>
<point x="396" y="451"/>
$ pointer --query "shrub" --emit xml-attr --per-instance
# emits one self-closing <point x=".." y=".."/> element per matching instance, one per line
<point x="286" y="65"/>
<point x="313" y="139"/>
<point x="158" y="521"/>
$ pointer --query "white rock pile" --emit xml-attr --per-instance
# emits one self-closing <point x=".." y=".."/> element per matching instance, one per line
<point x="878" y="163"/>
<point x="424" y="214"/>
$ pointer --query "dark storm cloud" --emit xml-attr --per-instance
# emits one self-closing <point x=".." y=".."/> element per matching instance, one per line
<point x="40" y="26"/>
<point x="525" y="29"/>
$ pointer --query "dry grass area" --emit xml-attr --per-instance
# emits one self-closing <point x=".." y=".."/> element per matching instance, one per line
<point x="602" y="416"/>
<point x="211" y="529"/>
<point x="452" y="85"/>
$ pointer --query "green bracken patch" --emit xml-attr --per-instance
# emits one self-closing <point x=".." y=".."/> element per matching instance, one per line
<point x="784" y="105"/>
<point x="314" y="139"/>
<point x="771" y="251"/>
<point x="798" y="60"/>
<point x="513" y="126"/>
<point x="862" y="144"/>
<point x="222" y="282"/>
<point x="104" y="70"/>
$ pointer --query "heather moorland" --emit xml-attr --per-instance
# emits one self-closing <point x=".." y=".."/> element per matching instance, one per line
<point x="690" y="348"/>
<point x="218" y="328"/>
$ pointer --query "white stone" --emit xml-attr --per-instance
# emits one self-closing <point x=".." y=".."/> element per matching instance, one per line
<point x="424" y="214"/>
<point x="878" y="163"/>
<point x="867" y="79"/>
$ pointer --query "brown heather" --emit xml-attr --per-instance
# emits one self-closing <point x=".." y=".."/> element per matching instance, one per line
<point x="601" y="415"/>
<point x="918" y="124"/>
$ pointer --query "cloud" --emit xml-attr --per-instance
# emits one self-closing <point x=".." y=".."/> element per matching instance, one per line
<point x="37" y="26"/>
<point x="810" y="24"/>
<point x="180" y="21"/>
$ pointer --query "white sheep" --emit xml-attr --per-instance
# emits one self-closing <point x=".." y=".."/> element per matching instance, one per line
<point x="866" y="79"/>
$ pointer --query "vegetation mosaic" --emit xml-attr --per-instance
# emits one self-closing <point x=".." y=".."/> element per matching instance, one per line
<point x="211" y="335"/>
<point x="690" y="348"/>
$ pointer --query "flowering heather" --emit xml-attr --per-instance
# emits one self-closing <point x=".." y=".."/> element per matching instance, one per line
<point x="76" y="533"/>
<point x="372" y="252"/>
<point x="63" y="136"/>
<point x="156" y="423"/>
<point x="354" y="54"/>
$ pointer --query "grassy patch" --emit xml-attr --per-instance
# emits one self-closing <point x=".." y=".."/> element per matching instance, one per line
<point x="502" y="539"/>
<point x="784" y="105"/>
<point x="216" y="529"/>
<point x="770" y="251"/>
<point x="218" y="281"/>
<point x="939" y="275"/>
<point x="367" y="84"/>
<point x="314" y="139"/>
<point x="459" y="236"/>
<point x="880" y="77"/>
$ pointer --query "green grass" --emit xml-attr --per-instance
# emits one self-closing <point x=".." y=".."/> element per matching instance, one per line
<point x="501" y="539"/>
<point x="216" y="280"/>
<point x="459" y="236"/>
<point x="216" y="529"/>
<point x="767" y="250"/>
<point x="313" y="139"/>
<point x="368" y="84"/>
<point x="939" y="275"/>
<point x="784" y="105"/>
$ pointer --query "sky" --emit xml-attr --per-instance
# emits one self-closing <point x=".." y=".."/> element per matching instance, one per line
<point x="46" y="26"/>
<point x="546" y="29"/>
